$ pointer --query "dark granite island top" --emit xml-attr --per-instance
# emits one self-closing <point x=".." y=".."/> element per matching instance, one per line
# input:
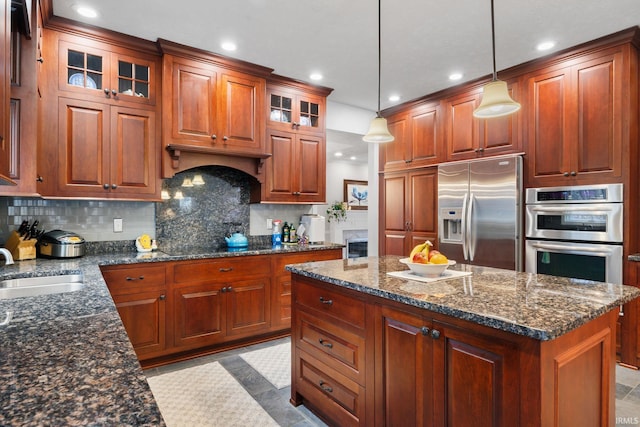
<point x="65" y="359"/>
<point x="537" y="306"/>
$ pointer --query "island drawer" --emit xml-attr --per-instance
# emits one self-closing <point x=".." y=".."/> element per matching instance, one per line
<point x="130" y="279"/>
<point x="335" y="304"/>
<point x="282" y="260"/>
<point x="343" y="399"/>
<point x="334" y="346"/>
<point x="220" y="270"/>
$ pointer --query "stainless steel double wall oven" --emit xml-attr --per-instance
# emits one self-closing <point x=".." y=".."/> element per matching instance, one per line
<point x="575" y="232"/>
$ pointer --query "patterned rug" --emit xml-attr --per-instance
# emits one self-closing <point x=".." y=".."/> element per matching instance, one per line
<point x="273" y="363"/>
<point x="206" y="395"/>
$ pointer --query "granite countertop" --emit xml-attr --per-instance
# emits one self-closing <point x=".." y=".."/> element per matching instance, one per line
<point x="537" y="306"/>
<point x="65" y="359"/>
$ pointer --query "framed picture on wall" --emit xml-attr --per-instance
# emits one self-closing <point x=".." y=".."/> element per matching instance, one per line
<point x="356" y="194"/>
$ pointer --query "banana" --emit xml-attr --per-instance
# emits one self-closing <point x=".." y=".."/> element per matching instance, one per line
<point x="421" y="248"/>
<point x="427" y="248"/>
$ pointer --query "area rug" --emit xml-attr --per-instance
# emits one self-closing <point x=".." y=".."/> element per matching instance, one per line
<point x="206" y="395"/>
<point x="273" y="363"/>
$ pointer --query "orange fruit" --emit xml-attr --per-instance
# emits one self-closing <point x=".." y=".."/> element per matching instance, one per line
<point x="439" y="259"/>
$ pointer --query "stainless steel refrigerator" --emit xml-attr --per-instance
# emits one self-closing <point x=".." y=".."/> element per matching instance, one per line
<point x="480" y="212"/>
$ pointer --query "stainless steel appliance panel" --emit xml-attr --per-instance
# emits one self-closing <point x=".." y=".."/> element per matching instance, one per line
<point x="479" y="211"/>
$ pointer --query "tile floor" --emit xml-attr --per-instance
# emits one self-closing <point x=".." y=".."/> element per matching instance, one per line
<point x="276" y="402"/>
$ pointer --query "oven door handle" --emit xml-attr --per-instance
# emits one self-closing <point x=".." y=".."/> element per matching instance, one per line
<point x="573" y="249"/>
<point x="572" y="209"/>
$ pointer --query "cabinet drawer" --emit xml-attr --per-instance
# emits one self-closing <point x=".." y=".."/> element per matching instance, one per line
<point x="219" y="270"/>
<point x="341" y="349"/>
<point x="342" y="398"/>
<point x="298" y="258"/>
<point x="331" y="303"/>
<point x="130" y="280"/>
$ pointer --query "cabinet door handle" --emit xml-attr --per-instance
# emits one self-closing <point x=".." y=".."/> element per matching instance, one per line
<point x="39" y="178"/>
<point x="435" y="334"/>
<point x="573" y="173"/>
<point x="225" y="138"/>
<point x="325" y="387"/>
<point x="480" y="150"/>
<point x="105" y="186"/>
<point x="213" y="136"/>
<point x="424" y="330"/>
<point x="325" y="343"/>
<point x="114" y="186"/>
<point x="114" y="92"/>
<point x="225" y="269"/>
<point x="296" y="193"/>
<point x="326" y="301"/>
<point x="134" y="278"/>
<point x="106" y="92"/>
<point x="40" y="60"/>
<point x="566" y="174"/>
<point x="229" y="288"/>
<point x="163" y="297"/>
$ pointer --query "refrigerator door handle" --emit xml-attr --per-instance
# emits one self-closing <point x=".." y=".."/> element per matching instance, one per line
<point x="470" y="230"/>
<point x="464" y="228"/>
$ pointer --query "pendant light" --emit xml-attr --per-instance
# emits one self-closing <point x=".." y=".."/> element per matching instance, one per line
<point x="378" y="131"/>
<point x="496" y="101"/>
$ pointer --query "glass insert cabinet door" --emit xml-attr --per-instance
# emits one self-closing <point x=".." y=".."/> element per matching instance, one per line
<point x="85" y="69"/>
<point x="133" y="79"/>
<point x="296" y="112"/>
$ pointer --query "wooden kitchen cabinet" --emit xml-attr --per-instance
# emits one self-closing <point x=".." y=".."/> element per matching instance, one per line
<point x="281" y="298"/>
<point x="418" y="138"/>
<point x="575" y="120"/>
<point x="408" y="210"/>
<point x="5" y="84"/>
<point x="296" y="170"/>
<point x="102" y="114"/>
<point x="219" y="300"/>
<point x="140" y="295"/>
<point x="470" y="138"/>
<point x="295" y="110"/>
<point x="210" y="108"/>
<point x="329" y="370"/>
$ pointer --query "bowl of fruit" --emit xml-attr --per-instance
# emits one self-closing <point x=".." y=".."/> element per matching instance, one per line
<point x="427" y="262"/>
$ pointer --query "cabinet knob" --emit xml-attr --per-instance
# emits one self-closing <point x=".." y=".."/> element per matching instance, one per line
<point x="114" y="92"/>
<point x="114" y="186"/>
<point x="40" y="60"/>
<point x="229" y="288"/>
<point x="163" y="297"/>
<point x="39" y="178"/>
<point x="213" y="136"/>
<point x="566" y="174"/>
<point x="481" y="150"/>
<point x="435" y="334"/>
<point x="325" y="343"/>
<point x="296" y="193"/>
<point x="106" y="92"/>
<point x="105" y="186"/>
<point x="225" y="138"/>
<point x="573" y="173"/>
<point x="326" y="301"/>
<point x="424" y="330"/>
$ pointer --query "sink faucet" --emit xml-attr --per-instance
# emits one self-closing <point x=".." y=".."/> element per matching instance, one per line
<point x="7" y="256"/>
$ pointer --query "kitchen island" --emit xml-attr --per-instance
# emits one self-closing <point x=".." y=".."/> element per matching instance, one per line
<point x="66" y="359"/>
<point x="484" y="347"/>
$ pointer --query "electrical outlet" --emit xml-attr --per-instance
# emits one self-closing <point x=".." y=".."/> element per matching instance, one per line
<point x="269" y="223"/>
<point x="117" y="225"/>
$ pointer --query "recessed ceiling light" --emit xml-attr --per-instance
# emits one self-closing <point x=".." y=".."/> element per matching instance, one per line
<point x="545" y="45"/>
<point x="87" y="12"/>
<point x="229" y="46"/>
<point x="315" y="76"/>
<point x="394" y="98"/>
<point x="352" y="157"/>
<point x="455" y="76"/>
<point x="338" y="154"/>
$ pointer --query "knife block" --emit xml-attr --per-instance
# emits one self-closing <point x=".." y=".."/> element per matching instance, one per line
<point x="20" y="248"/>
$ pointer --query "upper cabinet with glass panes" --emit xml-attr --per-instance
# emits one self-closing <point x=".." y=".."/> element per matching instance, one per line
<point x="106" y="74"/>
<point x="295" y="111"/>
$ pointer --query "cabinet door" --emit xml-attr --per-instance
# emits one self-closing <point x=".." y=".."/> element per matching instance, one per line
<point x="548" y="137"/>
<point x="463" y="130"/>
<point x="133" y="78"/>
<point x="423" y="199"/>
<point x="502" y="135"/>
<point x="395" y="216"/>
<point x="199" y="315"/>
<point x="311" y="113"/>
<point x="240" y="106"/>
<point x="279" y="185"/>
<point x="393" y="155"/>
<point x="5" y="76"/>
<point x="134" y="153"/>
<point x="475" y="379"/>
<point x="403" y="359"/>
<point x="144" y="317"/>
<point x="84" y="69"/>
<point x="191" y="101"/>
<point x="248" y="306"/>
<point x="426" y="136"/>
<point x="310" y="167"/>
<point x="83" y="147"/>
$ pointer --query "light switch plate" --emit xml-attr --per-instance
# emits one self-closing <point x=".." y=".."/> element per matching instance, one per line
<point x="117" y="225"/>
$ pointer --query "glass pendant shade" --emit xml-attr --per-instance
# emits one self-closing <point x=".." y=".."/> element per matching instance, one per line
<point x="378" y="132"/>
<point x="496" y="101"/>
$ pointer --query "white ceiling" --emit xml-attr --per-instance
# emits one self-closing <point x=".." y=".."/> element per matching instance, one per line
<point x="423" y="41"/>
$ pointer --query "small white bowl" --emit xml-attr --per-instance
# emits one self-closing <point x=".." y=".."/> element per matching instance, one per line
<point x="427" y="270"/>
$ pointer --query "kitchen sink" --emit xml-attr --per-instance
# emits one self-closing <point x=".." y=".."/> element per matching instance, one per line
<point x="33" y="286"/>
